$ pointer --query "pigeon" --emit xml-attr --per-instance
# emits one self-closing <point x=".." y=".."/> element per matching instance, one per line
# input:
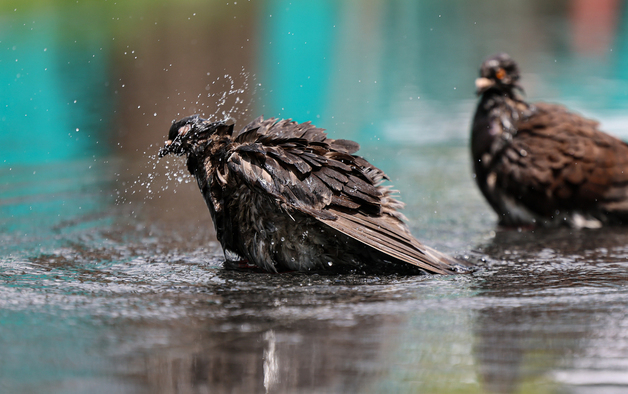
<point x="284" y="197"/>
<point x="540" y="164"/>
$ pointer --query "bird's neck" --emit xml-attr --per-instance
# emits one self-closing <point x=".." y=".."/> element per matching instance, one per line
<point x="495" y="124"/>
<point x="206" y="159"/>
<point x="504" y="109"/>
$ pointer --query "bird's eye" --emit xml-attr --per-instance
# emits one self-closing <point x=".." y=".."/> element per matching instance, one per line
<point x="500" y="73"/>
<point x="184" y="130"/>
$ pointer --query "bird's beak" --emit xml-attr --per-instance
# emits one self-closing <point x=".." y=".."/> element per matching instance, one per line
<point x="166" y="149"/>
<point x="483" y="84"/>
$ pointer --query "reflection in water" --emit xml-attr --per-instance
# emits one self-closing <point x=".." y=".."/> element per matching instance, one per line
<point x="283" y="333"/>
<point x="271" y="364"/>
<point x="543" y="315"/>
<point x="312" y="355"/>
<point x="42" y="205"/>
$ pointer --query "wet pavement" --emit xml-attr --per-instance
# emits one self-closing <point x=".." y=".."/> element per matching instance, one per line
<point x="114" y="298"/>
<point x="111" y="279"/>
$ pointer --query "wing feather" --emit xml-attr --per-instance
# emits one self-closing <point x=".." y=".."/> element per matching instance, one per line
<point x="566" y="156"/>
<point x="397" y="243"/>
<point x="329" y="181"/>
<point x="300" y="169"/>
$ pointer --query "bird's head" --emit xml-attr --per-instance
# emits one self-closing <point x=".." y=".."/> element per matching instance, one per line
<point x="188" y="133"/>
<point x="498" y="71"/>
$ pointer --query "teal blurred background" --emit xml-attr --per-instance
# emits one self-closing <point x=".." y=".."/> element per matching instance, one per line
<point x="100" y="81"/>
<point x="110" y="277"/>
<point x="93" y="77"/>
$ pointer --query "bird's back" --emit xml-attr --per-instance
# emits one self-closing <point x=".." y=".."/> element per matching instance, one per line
<point x="298" y="199"/>
<point x="559" y="164"/>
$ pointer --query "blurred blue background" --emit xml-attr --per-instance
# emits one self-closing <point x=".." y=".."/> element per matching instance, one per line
<point x="82" y="79"/>
<point x="94" y="230"/>
<point x="99" y="81"/>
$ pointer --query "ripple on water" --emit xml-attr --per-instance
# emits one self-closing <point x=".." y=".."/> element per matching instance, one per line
<point x="148" y="284"/>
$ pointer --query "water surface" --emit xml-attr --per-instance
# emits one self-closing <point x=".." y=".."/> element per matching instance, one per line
<point x="111" y="279"/>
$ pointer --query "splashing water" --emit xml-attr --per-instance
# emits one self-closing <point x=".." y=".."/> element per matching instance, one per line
<point x="153" y="170"/>
<point x="224" y="90"/>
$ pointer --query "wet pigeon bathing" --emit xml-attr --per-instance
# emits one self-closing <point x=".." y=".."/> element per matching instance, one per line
<point x="284" y="197"/>
<point x="540" y="164"/>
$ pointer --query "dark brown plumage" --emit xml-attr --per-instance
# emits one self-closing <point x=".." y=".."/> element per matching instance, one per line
<point x="540" y="164"/>
<point x="285" y="197"/>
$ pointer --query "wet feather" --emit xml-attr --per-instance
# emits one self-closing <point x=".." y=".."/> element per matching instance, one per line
<point x="289" y="198"/>
<point x="548" y="166"/>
